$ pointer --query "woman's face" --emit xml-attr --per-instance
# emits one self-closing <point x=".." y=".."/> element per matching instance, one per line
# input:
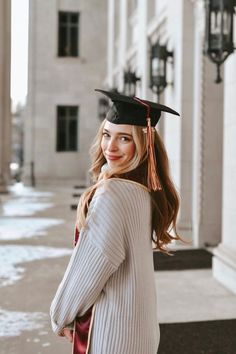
<point x="117" y="144"/>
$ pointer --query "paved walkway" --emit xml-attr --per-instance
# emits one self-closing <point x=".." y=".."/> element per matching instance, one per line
<point x="36" y="232"/>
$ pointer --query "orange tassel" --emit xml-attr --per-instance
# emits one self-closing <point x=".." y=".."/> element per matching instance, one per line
<point x="153" y="179"/>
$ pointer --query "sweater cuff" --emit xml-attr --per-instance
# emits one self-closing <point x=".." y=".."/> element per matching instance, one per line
<point x="58" y="329"/>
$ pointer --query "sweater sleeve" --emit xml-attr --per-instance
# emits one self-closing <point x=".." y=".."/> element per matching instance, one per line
<point x="99" y="252"/>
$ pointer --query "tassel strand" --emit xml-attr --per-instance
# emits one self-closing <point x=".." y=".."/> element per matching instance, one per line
<point x="153" y="179"/>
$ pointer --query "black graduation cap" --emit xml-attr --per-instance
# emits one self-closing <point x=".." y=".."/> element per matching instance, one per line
<point x="133" y="111"/>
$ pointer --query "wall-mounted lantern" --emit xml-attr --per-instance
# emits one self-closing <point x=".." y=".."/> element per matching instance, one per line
<point x="103" y="107"/>
<point x="158" y="60"/>
<point x="219" y="31"/>
<point x="130" y="81"/>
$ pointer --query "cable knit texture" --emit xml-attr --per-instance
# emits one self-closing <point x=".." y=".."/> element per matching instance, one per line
<point x="112" y="267"/>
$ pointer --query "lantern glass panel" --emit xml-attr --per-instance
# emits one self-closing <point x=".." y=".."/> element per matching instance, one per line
<point x="155" y="66"/>
<point x="226" y="23"/>
<point x="216" y="23"/>
<point x="132" y="90"/>
<point x="158" y="67"/>
<point x="129" y="89"/>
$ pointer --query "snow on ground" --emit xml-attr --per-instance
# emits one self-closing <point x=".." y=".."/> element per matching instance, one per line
<point x="13" y="323"/>
<point x="12" y="255"/>
<point x="25" y="201"/>
<point x="18" y="228"/>
<point x="24" y="207"/>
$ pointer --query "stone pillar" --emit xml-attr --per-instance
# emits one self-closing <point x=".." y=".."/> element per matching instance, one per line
<point x="187" y="70"/>
<point x="224" y="261"/>
<point x="207" y="143"/>
<point x="5" y="111"/>
<point x="142" y="48"/>
<point x="29" y="119"/>
<point x="110" y="43"/>
<point x="122" y="42"/>
<point x="211" y="158"/>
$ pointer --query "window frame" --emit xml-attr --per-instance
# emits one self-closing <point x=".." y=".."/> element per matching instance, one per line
<point x="65" y="29"/>
<point x="63" y="124"/>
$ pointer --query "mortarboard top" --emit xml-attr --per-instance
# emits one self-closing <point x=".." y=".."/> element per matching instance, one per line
<point x="127" y="110"/>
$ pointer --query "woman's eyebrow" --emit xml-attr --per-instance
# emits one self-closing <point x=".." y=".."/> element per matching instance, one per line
<point x="119" y="133"/>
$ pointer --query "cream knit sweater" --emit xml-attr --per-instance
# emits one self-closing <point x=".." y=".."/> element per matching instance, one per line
<point x="112" y="267"/>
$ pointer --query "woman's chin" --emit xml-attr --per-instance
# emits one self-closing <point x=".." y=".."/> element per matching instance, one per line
<point x="114" y="164"/>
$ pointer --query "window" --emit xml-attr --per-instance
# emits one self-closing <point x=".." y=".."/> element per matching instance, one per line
<point x="67" y="128"/>
<point x="68" y="34"/>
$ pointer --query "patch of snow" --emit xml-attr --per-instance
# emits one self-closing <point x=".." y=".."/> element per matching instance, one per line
<point x="12" y="255"/>
<point x="13" y="323"/>
<point x="18" y="228"/>
<point x="24" y="207"/>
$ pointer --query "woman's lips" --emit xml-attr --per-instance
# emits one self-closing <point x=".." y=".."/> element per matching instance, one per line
<point x="112" y="157"/>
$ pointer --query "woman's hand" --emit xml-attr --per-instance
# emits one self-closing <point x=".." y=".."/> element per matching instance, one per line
<point x="68" y="333"/>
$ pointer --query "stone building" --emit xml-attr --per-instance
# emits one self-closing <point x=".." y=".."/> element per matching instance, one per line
<point x="67" y="61"/>
<point x="5" y="115"/>
<point x="201" y="144"/>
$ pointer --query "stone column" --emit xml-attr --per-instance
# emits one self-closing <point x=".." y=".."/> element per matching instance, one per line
<point x="110" y="43"/>
<point x="142" y="48"/>
<point x="5" y="111"/>
<point x="29" y="119"/>
<point x="211" y="152"/>
<point x="207" y="143"/>
<point x="186" y="89"/>
<point x="122" y="42"/>
<point x="224" y="261"/>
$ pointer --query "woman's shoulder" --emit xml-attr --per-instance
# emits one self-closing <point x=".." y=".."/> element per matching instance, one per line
<point x="116" y="196"/>
<point x="118" y="190"/>
<point x="121" y="184"/>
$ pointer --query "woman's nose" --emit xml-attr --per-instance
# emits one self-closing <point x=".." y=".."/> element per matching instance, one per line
<point x="112" y="146"/>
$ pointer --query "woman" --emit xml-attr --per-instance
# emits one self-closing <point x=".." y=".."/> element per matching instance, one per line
<point x="129" y="209"/>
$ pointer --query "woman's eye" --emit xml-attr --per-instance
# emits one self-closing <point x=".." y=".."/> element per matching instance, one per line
<point x="105" y="135"/>
<point x="124" y="138"/>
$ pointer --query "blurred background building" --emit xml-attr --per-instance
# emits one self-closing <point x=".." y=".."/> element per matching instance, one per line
<point x="67" y="60"/>
<point x="154" y="49"/>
